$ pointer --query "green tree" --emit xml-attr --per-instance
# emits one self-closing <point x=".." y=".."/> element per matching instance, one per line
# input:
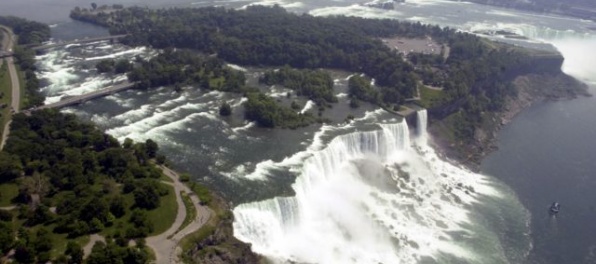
<point x="151" y="148"/>
<point x="74" y="252"/>
<point x="7" y="237"/>
<point x="225" y="109"/>
<point x="146" y="196"/>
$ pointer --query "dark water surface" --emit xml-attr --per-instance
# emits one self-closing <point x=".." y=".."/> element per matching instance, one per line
<point x="548" y="154"/>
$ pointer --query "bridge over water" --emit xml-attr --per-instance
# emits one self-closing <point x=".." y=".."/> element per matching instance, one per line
<point x="77" y="41"/>
<point x="78" y="99"/>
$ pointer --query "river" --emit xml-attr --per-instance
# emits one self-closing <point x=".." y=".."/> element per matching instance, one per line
<point x="373" y="188"/>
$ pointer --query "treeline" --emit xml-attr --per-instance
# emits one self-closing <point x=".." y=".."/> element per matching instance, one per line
<point x="183" y="67"/>
<point x="29" y="33"/>
<point x="91" y="181"/>
<point x="317" y="85"/>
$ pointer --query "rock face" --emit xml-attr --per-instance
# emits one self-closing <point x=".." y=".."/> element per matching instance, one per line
<point x="536" y="80"/>
<point x="220" y="246"/>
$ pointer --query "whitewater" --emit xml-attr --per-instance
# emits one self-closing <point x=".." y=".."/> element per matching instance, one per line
<point x="381" y="196"/>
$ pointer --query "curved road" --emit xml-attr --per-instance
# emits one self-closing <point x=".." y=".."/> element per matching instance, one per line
<point x="165" y="248"/>
<point x="7" y="45"/>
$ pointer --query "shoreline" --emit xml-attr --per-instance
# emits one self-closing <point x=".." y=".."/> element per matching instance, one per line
<point x="531" y="89"/>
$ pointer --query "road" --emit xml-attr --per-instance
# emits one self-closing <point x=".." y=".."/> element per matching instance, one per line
<point x="7" y="45"/>
<point x="165" y="248"/>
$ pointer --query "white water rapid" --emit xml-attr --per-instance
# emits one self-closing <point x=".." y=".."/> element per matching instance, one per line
<point x="372" y="197"/>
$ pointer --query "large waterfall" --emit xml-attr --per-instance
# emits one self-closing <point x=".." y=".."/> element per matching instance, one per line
<point x="369" y="197"/>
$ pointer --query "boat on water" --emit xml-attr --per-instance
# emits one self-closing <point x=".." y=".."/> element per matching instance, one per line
<point x="554" y="208"/>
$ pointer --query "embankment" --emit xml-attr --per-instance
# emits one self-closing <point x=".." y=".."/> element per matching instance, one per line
<point x="538" y="79"/>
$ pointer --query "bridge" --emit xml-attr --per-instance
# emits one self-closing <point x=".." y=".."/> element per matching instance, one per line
<point x="78" y="99"/>
<point x="77" y="41"/>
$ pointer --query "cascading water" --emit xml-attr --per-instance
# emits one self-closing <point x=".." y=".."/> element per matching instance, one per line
<point x="374" y="197"/>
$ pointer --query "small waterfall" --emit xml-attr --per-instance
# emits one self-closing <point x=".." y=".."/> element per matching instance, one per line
<point x="421" y="122"/>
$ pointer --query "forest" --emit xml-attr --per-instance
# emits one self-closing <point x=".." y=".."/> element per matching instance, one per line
<point x="72" y="180"/>
<point x="317" y="85"/>
<point x="475" y="77"/>
<point x="29" y="33"/>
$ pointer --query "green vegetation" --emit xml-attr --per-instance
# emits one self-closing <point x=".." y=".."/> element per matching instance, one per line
<point x="215" y="240"/>
<point x="30" y="32"/>
<point x="317" y="85"/>
<point x="271" y="36"/>
<point x="8" y="192"/>
<point x="429" y="97"/>
<point x="267" y="113"/>
<point x="191" y="212"/>
<point x="475" y="77"/>
<point x="186" y="67"/>
<point x="224" y="110"/>
<point x="202" y="192"/>
<point x="72" y="180"/>
<point x="359" y="88"/>
<point x="163" y="216"/>
<point x="5" y="96"/>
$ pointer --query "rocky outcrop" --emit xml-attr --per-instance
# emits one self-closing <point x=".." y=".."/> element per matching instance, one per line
<point x="220" y="246"/>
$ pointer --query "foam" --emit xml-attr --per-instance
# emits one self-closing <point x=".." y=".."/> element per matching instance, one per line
<point x="308" y="106"/>
<point x="138" y="50"/>
<point x="362" y="222"/>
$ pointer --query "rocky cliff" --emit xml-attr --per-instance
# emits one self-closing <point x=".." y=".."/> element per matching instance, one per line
<point x="538" y="79"/>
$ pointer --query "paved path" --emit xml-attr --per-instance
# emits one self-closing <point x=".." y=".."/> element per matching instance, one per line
<point x="92" y="239"/>
<point x="165" y="248"/>
<point x="8" y="208"/>
<point x="7" y="44"/>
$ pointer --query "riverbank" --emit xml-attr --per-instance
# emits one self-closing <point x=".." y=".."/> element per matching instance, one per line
<point x="530" y="89"/>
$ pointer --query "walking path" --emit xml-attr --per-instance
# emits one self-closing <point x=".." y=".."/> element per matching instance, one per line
<point x="92" y="239"/>
<point x="8" y="43"/>
<point x="164" y="247"/>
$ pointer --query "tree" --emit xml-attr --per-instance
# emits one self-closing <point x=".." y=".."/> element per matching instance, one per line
<point x="93" y="6"/>
<point x="146" y="196"/>
<point x="118" y="206"/>
<point x="43" y="241"/>
<point x="10" y="166"/>
<point x="225" y="109"/>
<point x="151" y="148"/>
<point x="24" y="254"/>
<point x="74" y="252"/>
<point x="6" y="237"/>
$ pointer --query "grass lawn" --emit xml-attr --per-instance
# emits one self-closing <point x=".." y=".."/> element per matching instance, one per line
<point x="163" y="217"/>
<point x="428" y="96"/>
<point x="8" y="191"/>
<point x="5" y="99"/>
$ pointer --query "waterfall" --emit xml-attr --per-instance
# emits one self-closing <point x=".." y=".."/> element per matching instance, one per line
<point x="367" y="197"/>
<point x="421" y="122"/>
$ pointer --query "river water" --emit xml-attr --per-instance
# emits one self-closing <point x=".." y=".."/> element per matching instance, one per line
<point x="371" y="190"/>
